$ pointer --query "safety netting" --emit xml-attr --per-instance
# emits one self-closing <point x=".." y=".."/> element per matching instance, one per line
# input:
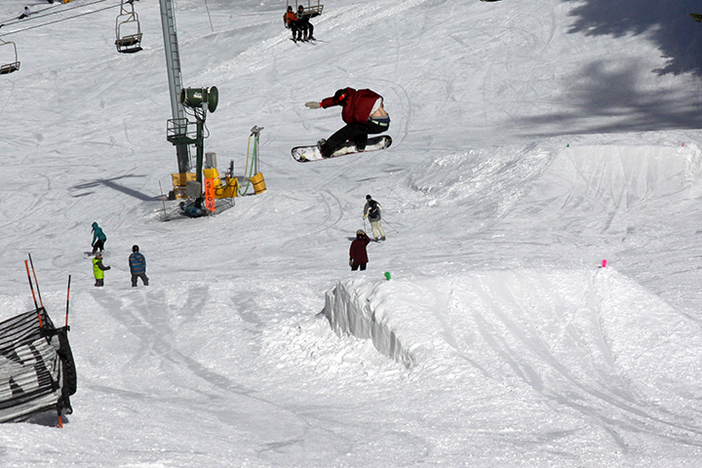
<point x="37" y="371"/>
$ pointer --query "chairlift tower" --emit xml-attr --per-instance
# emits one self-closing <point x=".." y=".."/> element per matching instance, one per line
<point x="170" y="42"/>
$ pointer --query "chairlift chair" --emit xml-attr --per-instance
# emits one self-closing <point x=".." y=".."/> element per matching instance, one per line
<point x="7" y="67"/>
<point x="313" y="8"/>
<point x="127" y="29"/>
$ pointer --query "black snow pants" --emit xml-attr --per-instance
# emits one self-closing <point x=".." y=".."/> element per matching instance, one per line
<point x="296" y="30"/>
<point x="99" y="244"/>
<point x="356" y="133"/>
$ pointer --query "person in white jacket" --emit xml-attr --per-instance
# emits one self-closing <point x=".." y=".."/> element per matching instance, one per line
<point x="25" y="13"/>
<point x="372" y="211"/>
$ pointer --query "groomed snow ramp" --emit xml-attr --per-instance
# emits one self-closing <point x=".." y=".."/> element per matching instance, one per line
<point x="571" y="336"/>
<point x="37" y="372"/>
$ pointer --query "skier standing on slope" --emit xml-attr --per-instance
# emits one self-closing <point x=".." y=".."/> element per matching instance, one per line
<point x="358" y="257"/>
<point x="137" y="266"/>
<point x="363" y="112"/>
<point x="99" y="239"/>
<point x="372" y="211"/>
<point x="99" y="270"/>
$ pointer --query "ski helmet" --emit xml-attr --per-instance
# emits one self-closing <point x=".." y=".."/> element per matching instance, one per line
<point x="360" y="232"/>
<point x="135" y="248"/>
<point x="368" y="197"/>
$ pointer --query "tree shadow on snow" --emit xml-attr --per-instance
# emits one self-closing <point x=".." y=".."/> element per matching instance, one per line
<point x="608" y="93"/>
<point x="666" y="23"/>
<point x="608" y="96"/>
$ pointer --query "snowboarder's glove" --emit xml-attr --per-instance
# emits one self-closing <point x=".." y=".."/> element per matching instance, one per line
<point x="351" y="262"/>
<point x="108" y="267"/>
<point x="313" y="105"/>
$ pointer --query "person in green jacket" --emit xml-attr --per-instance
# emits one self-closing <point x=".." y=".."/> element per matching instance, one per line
<point x="99" y="270"/>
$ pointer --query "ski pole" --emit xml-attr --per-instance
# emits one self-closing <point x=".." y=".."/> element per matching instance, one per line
<point x="68" y="298"/>
<point x="163" y="199"/>
<point x="391" y="226"/>
<point x="35" y="280"/>
<point x="31" y="286"/>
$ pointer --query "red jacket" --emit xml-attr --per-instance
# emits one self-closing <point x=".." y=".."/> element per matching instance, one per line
<point x="359" y="105"/>
<point x="357" y="252"/>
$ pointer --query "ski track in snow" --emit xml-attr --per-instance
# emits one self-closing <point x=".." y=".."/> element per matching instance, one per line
<point x="522" y="157"/>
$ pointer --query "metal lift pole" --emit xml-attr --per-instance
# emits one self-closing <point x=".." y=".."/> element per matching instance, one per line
<point x="170" y="42"/>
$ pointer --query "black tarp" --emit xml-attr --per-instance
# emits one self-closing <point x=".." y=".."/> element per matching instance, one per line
<point x="37" y="372"/>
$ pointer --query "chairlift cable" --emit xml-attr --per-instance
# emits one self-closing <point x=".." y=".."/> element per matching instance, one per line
<point x="207" y="7"/>
<point x="42" y="13"/>
<point x="63" y="19"/>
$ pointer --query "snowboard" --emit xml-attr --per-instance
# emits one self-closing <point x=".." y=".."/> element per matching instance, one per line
<point x="90" y="254"/>
<point x="311" y="153"/>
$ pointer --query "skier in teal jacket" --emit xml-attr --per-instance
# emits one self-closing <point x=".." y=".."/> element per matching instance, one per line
<point x="99" y="239"/>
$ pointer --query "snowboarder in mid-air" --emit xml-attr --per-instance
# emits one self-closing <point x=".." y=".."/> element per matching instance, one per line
<point x="363" y="113"/>
<point x="358" y="257"/>
<point x="372" y="211"/>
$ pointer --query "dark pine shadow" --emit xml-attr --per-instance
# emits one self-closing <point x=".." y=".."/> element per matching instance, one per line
<point x="612" y="89"/>
<point x="667" y="23"/>
<point x="611" y="92"/>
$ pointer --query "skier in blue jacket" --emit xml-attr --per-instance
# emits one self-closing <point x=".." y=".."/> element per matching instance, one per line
<point x="137" y="266"/>
<point x="99" y="239"/>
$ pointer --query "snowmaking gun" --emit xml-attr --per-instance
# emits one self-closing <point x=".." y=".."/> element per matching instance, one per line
<point x="185" y="185"/>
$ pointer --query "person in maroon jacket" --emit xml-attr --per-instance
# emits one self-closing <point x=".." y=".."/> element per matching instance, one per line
<point x="358" y="257"/>
<point x="363" y="112"/>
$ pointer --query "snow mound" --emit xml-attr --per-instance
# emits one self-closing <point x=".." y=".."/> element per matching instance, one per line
<point x="596" y="179"/>
<point x="595" y="331"/>
<point x="584" y="178"/>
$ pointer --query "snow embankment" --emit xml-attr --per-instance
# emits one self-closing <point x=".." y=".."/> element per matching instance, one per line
<point x="593" y="333"/>
<point x="352" y="308"/>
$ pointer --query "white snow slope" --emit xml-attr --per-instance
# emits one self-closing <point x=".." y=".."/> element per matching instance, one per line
<point x="532" y="140"/>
